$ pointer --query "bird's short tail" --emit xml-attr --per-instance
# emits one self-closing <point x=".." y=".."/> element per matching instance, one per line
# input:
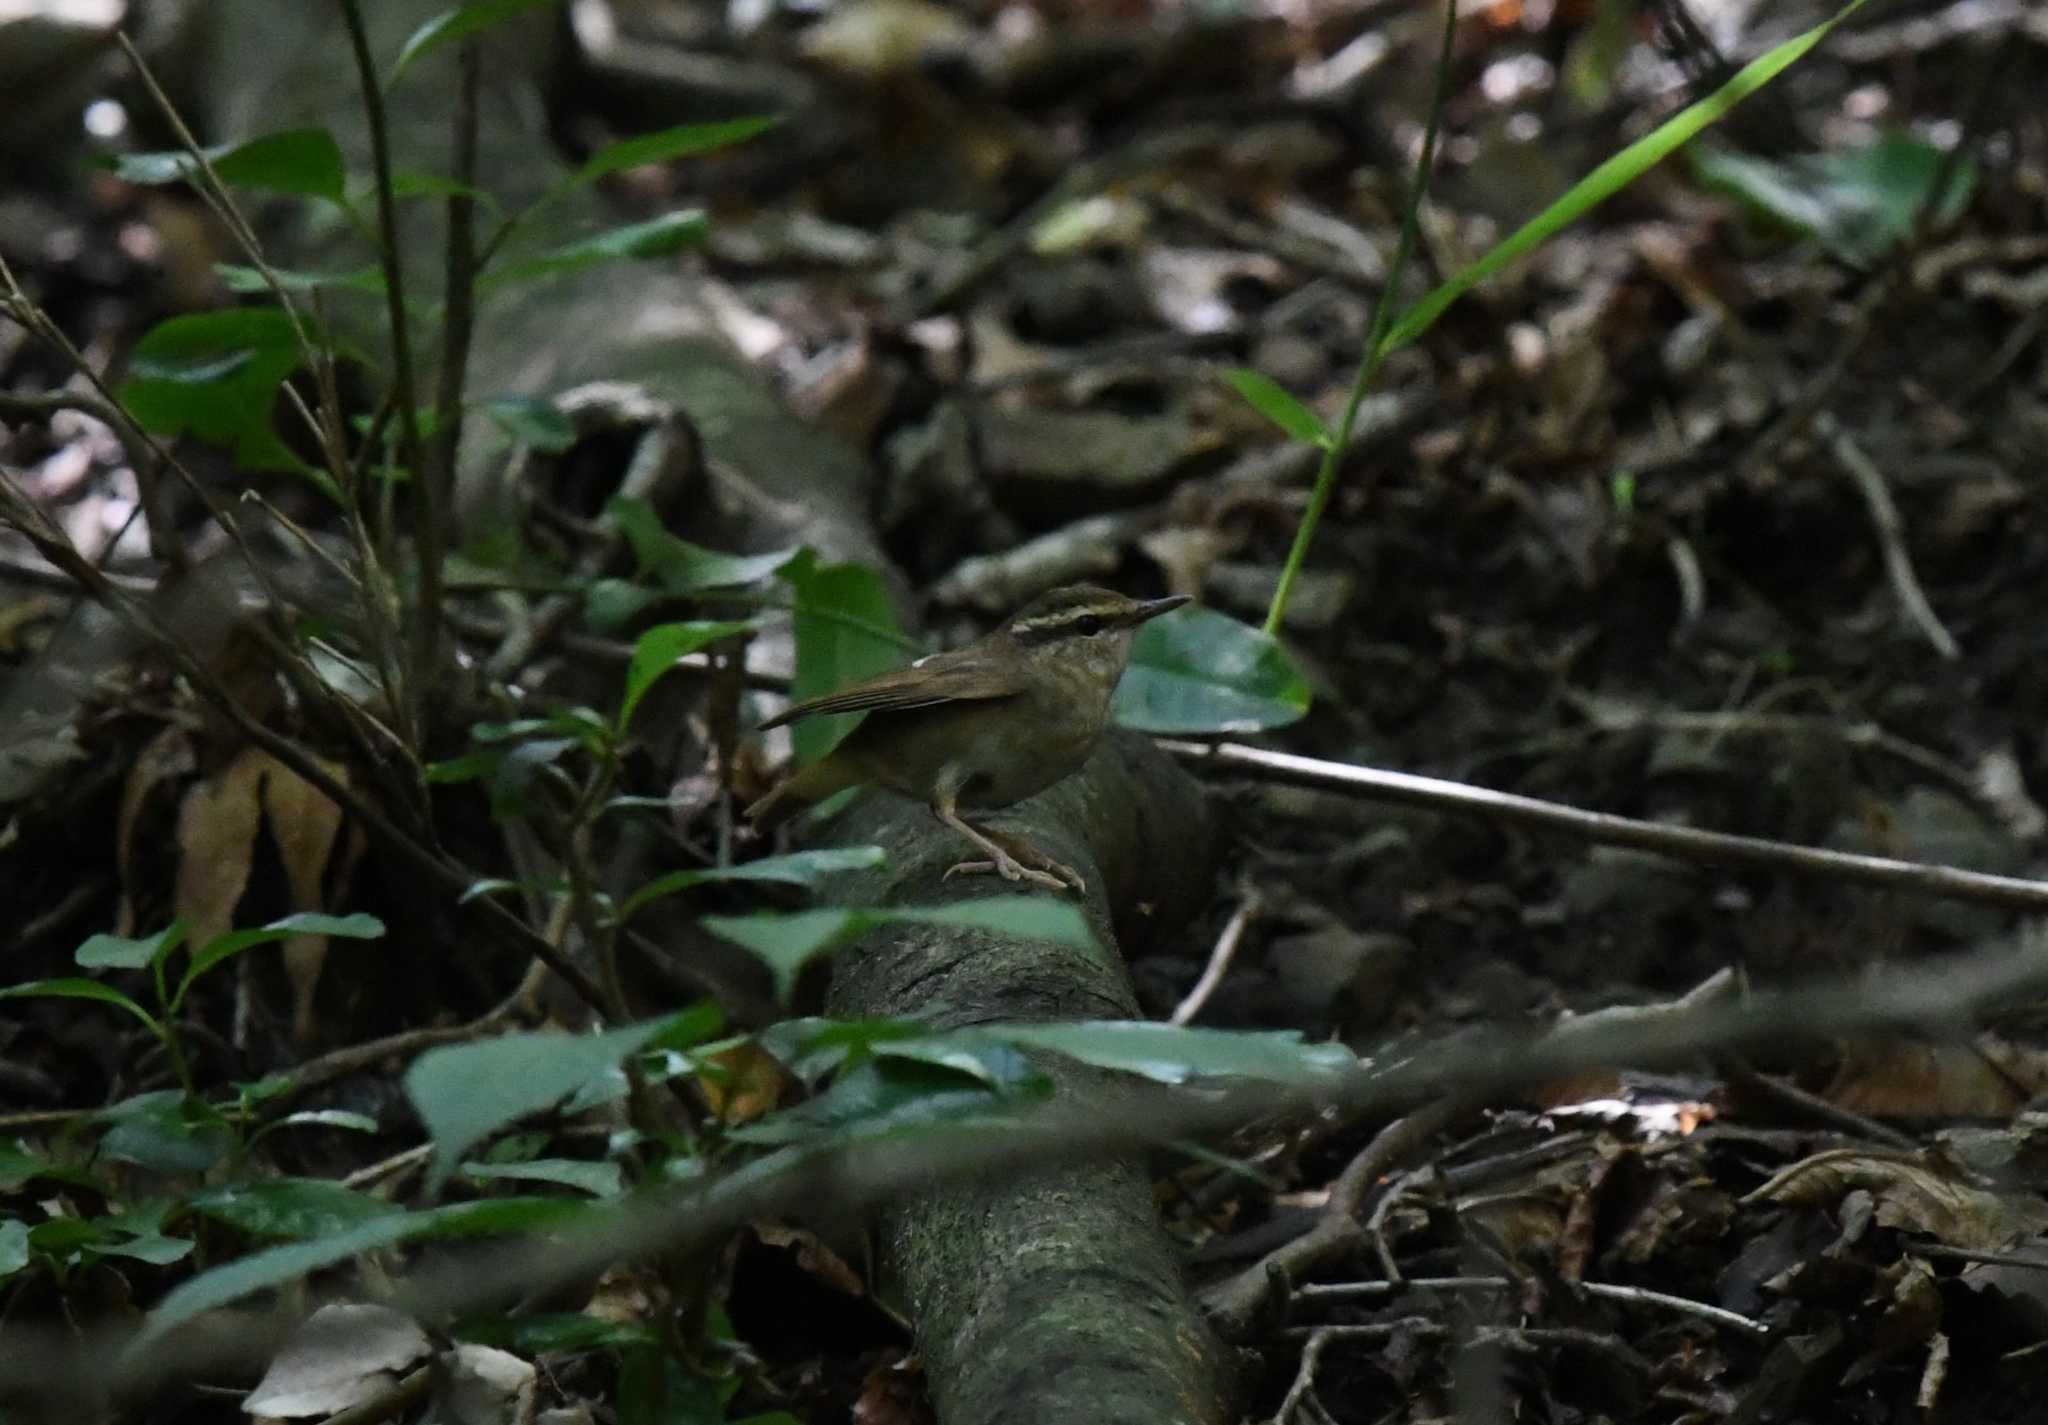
<point x="806" y="788"/>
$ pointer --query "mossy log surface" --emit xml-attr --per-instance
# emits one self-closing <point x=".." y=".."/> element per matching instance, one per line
<point x="1050" y="1295"/>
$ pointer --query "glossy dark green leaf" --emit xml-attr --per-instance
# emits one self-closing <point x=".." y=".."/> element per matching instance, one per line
<point x="215" y="376"/>
<point x="165" y="1132"/>
<point x="1859" y="203"/>
<point x="14" y="1246"/>
<point x="248" y="281"/>
<point x="116" y="952"/>
<point x="799" y="868"/>
<point x="846" y="630"/>
<point x="1196" y="670"/>
<point x="551" y="1332"/>
<point x="458" y="22"/>
<point x="1175" y="1054"/>
<point x="882" y="1096"/>
<point x="78" y="988"/>
<point x="786" y="942"/>
<point x="597" y="1179"/>
<point x="655" y="653"/>
<point x="275" y="1266"/>
<point x="656" y="237"/>
<point x="306" y="162"/>
<point x="292" y="1208"/>
<point x="1273" y="401"/>
<point x="223" y="947"/>
<point x="681" y="567"/>
<point x="680" y="142"/>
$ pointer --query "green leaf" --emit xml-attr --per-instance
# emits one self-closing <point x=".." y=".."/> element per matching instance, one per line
<point x="114" y="952"/>
<point x="14" y="1247"/>
<point x="222" y="947"/>
<point x="597" y="1179"/>
<point x="409" y="183"/>
<point x="669" y="144"/>
<point x="1612" y="176"/>
<point x="549" y="1332"/>
<point x="799" y="868"/>
<point x="165" y="1132"/>
<point x="452" y="25"/>
<point x="680" y="566"/>
<point x="250" y="281"/>
<point x="77" y="988"/>
<point x="532" y="422"/>
<point x="785" y="943"/>
<point x="655" y="652"/>
<point x="295" y="1208"/>
<point x="1278" y="405"/>
<point x="214" y="375"/>
<point x="846" y="630"/>
<point x="466" y="1092"/>
<point x="1173" y="1054"/>
<point x="1197" y="670"/>
<point x="884" y="1095"/>
<point x="275" y="1266"/>
<point x="1858" y="203"/>
<point x="657" y="237"/>
<point x="305" y="162"/>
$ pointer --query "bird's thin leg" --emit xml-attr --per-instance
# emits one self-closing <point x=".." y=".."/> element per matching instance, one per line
<point x="1025" y="852"/>
<point x="1002" y="862"/>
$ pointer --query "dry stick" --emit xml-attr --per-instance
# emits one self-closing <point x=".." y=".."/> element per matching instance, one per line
<point x="1219" y="961"/>
<point x="1304" y="1377"/>
<point x="1642" y="1296"/>
<point x="1233" y="1302"/>
<point x="1683" y="843"/>
<point x="1884" y="515"/>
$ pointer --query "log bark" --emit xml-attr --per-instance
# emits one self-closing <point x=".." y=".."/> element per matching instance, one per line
<point x="1052" y="1295"/>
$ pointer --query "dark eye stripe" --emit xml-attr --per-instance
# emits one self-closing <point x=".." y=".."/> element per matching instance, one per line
<point x="1066" y="622"/>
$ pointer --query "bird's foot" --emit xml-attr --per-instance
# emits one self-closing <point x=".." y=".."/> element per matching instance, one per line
<point x="1009" y="869"/>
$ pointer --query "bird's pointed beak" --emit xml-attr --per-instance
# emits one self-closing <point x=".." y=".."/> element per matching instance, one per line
<point x="1153" y="608"/>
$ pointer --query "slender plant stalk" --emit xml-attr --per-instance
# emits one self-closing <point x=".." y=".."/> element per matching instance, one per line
<point x="436" y="485"/>
<point x="410" y="709"/>
<point x="1376" y="347"/>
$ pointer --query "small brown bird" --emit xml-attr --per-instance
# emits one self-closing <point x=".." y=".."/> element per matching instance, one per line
<point x="984" y="726"/>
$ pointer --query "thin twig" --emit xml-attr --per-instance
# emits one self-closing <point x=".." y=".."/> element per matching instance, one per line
<point x="1219" y="961"/>
<point x="1891" y="538"/>
<point x="1680" y="842"/>
<point x="1640" y="1296"/>
<point x="1304" y="1375"/>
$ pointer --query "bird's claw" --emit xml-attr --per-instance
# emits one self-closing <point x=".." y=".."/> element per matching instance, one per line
<point x="1010" y="869"/>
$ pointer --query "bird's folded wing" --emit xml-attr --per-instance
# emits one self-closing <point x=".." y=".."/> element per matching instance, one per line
<point x="941" y="678"/>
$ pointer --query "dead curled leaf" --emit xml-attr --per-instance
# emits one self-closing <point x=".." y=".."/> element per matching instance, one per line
<point x="1913" y="1193"/>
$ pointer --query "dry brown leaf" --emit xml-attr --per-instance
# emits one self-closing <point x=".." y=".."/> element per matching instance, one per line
<point x="1913" y="1194"/>
<point x="753" y="1082"/>
<point x="811" y="1253"/>
<point x="304" y="822"/>
<point x="1897" y="1078"/>
<point x="216" y="839"/>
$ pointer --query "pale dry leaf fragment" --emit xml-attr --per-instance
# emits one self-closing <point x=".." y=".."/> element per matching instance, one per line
<point x="216" y="838"/>
<point x="341" y="1356"/>
<point x="482" y="1385"/>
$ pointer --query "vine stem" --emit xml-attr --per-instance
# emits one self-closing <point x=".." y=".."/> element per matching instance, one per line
<point x="1376" y="346"/>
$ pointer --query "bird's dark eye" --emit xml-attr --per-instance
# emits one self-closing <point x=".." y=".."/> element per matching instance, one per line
<point x="1089" y="625"/>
